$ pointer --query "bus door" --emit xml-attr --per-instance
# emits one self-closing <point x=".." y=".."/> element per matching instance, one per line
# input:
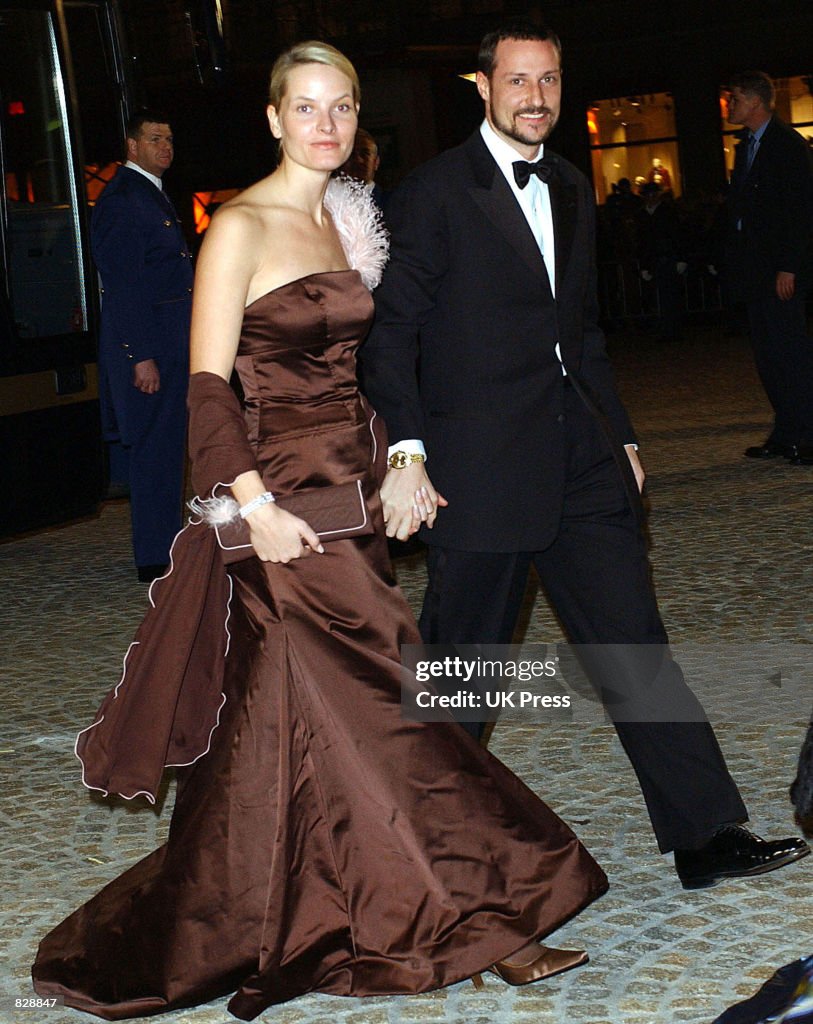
<point x="51" y="454"/>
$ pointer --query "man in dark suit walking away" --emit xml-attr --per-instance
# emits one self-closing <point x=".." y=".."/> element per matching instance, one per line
<point x="490" y="370"/>
<point x="769" y="258"/>
<point x="145" y="269"/>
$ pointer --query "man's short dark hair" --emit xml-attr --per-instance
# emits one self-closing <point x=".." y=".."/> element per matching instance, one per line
<point x="517" y="28"/>
<point x="144" y="116"/>
<point x="755" y="83"/>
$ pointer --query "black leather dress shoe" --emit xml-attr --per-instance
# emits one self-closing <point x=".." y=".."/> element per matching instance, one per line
<point x="734" y="852"/>
<point x="802" y="456"/>
<point x="770" y="450"/>
<point x="148" y="573"/>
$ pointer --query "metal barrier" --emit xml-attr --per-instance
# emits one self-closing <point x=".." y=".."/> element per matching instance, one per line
<point x="625" y="295"/>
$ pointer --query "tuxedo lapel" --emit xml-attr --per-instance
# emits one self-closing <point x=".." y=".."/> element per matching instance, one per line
<point x="493" y="195"/>
<point x="563" y="202"/>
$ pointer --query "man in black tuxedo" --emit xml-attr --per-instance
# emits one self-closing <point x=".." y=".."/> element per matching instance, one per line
<point x="145" y="269"/>
<point x="770" y="250"/>
<point x="488" y="366"/>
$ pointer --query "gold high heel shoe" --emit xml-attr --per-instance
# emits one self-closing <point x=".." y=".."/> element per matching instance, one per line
<point x="534" y="963"/>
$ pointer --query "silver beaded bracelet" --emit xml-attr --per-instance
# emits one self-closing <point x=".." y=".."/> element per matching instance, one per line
<point x="262" y="499"/>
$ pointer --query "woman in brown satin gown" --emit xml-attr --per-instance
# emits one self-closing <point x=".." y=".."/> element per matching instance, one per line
<point x="320" y="841"/>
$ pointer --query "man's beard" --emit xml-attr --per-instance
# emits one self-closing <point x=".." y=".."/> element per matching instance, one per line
<point x="514" y="131"/>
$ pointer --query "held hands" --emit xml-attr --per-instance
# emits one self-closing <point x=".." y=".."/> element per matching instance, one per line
<point x="147" y="377"/>
<point x="785" y="285"/>
<point x="278" y="536"/>
<point x="409" y="499"/>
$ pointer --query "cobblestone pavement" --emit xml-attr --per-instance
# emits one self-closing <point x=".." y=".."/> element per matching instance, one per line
<point x="731" y="545"/>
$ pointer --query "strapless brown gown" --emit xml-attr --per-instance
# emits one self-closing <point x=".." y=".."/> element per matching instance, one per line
<point x="324" y="843"/>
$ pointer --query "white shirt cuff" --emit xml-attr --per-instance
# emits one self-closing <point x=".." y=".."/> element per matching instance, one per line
<point x="412" y="446"/>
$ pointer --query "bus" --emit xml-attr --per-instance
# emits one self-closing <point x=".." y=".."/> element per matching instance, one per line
<point x="55" y="60"/>
<point x="68" y="79"/>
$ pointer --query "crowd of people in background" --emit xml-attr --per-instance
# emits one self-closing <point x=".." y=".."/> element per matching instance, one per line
<point x="661" y="255"/>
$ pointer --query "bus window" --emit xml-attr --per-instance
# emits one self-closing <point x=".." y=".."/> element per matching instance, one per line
<point x="98" y="92"/>
<point x="45" y="273"/>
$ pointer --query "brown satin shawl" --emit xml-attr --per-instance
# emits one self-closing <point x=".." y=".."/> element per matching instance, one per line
<point x="167" y="703"/>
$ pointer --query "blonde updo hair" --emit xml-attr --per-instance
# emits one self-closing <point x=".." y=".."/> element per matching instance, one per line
<point x="311" y="52"/>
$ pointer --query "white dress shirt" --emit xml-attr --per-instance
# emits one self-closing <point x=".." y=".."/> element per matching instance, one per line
<point x="152" y="177"/>
<point x="534" y="199"/>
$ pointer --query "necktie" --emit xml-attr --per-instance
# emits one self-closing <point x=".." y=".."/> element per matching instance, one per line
<point x="752" y="151"/>
<point x="543" y="169"/>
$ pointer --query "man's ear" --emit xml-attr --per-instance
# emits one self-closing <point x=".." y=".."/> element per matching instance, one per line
<point x="483" y="86"/>
<point x="131" y="148"/>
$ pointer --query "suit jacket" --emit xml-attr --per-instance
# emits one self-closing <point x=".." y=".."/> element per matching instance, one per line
<point x="770" y="210"/>
<point x="145" y="269"/>
<point x="466" y="299"/>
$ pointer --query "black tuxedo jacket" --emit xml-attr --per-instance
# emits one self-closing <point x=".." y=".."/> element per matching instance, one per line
<point x="770" y="211"/>
<point x="462" y="351"/>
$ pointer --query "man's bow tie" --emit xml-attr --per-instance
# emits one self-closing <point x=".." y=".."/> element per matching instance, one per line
<point x="543" y="169"/>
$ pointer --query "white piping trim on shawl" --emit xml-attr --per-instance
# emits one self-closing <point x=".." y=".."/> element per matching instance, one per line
<point x="372" y="434"/>
<point x="135" y="643"/>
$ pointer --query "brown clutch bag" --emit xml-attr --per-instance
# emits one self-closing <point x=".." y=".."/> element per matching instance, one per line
<point x="334" y="512"/>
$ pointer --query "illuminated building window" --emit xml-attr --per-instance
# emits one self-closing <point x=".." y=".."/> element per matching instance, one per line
<point x="204" y="205"/>
<point x="794" y="104"/>
<point x="634" y="137"/>
<point x="97" y="177"/>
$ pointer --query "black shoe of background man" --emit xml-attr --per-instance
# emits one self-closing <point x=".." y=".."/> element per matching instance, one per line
<point x="803" y="455"/>
<point x="148" y="573"/>
<point x="771" y="450"/>
<point x="734" y="852"/>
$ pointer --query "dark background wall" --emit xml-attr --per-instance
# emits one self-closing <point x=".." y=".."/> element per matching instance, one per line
<point x="410" y="54"/>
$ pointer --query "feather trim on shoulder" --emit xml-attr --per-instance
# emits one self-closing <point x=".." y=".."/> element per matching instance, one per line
<point x="361" y="227"/>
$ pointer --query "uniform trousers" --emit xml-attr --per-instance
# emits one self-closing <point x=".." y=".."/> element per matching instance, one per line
<point x="156" y="465"/>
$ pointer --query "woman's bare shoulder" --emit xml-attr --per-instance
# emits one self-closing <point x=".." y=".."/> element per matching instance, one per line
<point x="237" y="216"/>
<point x="244" y="223"/>
<point x="258" y="203"/>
